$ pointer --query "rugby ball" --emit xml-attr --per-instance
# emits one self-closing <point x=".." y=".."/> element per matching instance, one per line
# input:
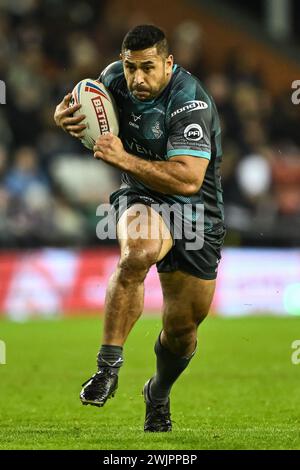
<point x="98" y="105"/>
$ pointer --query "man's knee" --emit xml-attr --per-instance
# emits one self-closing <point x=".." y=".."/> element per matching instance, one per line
<point x="136" y="260"/>
<point x="180" y="339"/>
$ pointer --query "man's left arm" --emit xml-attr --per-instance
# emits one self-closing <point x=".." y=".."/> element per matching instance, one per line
<point x="182" y="174"/>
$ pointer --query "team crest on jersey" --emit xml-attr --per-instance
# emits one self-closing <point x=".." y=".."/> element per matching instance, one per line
<point x="157" y="130"/>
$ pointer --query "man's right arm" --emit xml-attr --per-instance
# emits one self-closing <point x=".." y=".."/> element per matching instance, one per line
<point x="63" y="117"/>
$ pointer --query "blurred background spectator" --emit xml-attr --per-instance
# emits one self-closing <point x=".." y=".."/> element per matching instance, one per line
<point x="49" y="184"/>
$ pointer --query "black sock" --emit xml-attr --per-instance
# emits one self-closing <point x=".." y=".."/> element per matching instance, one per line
<point x="110" y="357"/>
<point x="169" y="366"/>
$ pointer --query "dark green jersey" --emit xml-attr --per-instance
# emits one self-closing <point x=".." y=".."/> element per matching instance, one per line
<point x="182" y="120"/>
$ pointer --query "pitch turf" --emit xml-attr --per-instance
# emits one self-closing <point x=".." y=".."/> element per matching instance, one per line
<point x="241" y="390"/>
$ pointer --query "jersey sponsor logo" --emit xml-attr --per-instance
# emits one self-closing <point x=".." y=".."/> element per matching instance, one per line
<point x="157" y="130"/>
<point x="135" y="118"/>
<point x="193" y="132"/>
<point x="138" y="149"/>
<point x="189" y="106"/>
<point x="133" y="124"/>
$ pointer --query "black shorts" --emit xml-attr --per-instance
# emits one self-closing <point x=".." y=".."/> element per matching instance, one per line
<point x="202" y="263"/>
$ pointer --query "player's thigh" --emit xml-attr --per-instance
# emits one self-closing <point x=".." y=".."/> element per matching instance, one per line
<point x="141" y="228"/>
<point x="187" y="299"/>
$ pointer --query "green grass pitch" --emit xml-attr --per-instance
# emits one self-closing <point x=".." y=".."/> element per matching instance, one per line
<point x="241" y="391"/>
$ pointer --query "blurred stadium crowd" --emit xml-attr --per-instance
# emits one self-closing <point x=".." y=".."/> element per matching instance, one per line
<point x="50" y="185"/>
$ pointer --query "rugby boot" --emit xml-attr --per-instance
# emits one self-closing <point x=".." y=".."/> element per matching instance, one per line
<point x="99" y="388"/>
<point x="158" y="417"/>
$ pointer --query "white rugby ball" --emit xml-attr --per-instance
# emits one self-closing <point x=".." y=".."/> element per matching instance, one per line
<point x="98" y="105"/>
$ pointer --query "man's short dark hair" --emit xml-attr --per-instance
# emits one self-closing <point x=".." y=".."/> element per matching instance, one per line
<point x="145" y="36"/>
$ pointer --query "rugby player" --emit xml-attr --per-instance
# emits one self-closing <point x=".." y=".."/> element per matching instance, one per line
<point x="169" y="150"/>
